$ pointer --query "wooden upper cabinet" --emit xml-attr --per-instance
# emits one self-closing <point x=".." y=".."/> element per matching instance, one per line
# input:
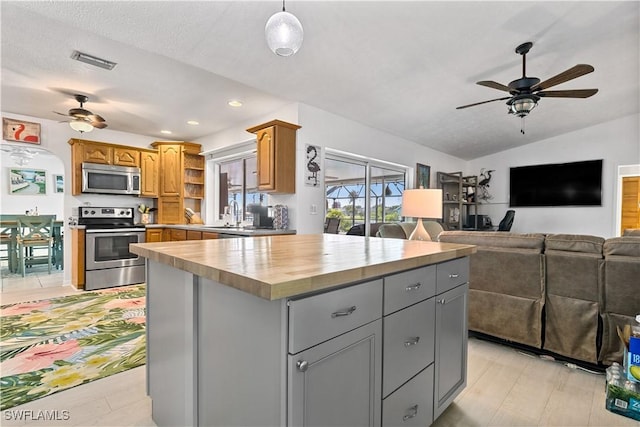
<point x="126" y="157"/>
<point x="149" y="165"/>
<point x="92" y="152"/>
<point x="171" y="167"/>
<point x="276" y="144"/>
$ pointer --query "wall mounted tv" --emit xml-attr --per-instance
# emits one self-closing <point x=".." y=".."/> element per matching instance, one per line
<point x="559" y="184"/>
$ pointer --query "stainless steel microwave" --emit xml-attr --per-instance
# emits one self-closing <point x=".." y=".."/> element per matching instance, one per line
<point x="110" y="179"/>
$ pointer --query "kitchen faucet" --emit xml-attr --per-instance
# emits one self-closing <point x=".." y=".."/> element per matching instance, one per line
<point x="235" y="212"/>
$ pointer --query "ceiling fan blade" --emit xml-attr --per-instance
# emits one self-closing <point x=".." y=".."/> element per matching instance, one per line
<point x="494" y="85"/>
<point x="578" y="93"/>
<point x="99" y="125"/>
<point x="565" y="76"/>
<point x="483" y="102"/>
<point x="95" y="118"/>
<point x="66" y="115"/>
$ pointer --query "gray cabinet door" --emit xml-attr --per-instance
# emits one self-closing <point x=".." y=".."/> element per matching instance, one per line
<point x="337" y="383"/>
<point x="451" y="347"/>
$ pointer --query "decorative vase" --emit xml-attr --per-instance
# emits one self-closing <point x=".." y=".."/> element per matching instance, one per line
<point x="144" y="218"/>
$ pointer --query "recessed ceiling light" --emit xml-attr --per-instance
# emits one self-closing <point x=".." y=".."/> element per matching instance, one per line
<point x="166" y="132"/>
<point x="235" y="103"/>
<point x="193" y="122"/>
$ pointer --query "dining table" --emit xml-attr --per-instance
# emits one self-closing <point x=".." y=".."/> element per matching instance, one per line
<point x="9" y="236"/>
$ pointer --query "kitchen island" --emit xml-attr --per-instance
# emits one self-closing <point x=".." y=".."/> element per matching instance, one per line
<point x="291" y="330"/>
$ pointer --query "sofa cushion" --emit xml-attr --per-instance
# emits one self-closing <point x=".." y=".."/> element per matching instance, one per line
<point x="622" y="246"/>
<point x="494" y="239"/>
<point x="574" y="243"/>
<point x="631" y="232"/>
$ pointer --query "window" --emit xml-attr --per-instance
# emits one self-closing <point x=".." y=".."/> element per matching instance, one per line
<point x="238" y="181"/>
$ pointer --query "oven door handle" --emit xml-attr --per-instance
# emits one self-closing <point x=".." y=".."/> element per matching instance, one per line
<point x="115" y="230"/>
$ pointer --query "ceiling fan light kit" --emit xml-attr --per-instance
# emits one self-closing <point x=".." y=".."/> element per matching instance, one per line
<point x="284" y="33"/>
<point x="83" y="120"/>
<point x="526" y="91"/>
<point x="80" y="125"/>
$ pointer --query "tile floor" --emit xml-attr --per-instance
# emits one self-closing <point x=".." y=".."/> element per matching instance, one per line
<point x="505" y="387"/>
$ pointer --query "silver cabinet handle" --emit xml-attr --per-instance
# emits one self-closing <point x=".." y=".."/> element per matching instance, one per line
<point x="302" y="365"/>
<point x="412" y="341"/>
<point x="414" y="412"/>
<point x="413" y="287"/>
<point x="442" y="301"/>
<point x="453" y="276"/>
<point x="346" y="312"/>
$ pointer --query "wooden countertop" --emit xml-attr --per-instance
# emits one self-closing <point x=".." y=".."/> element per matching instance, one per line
<point x="275" y="267"/>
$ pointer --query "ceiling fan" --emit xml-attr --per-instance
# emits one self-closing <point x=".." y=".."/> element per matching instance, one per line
<point x="83" y="119"/>
<point x="525" y="92"/>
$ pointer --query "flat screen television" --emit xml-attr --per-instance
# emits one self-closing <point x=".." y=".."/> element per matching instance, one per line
<point x="559" y="184"/>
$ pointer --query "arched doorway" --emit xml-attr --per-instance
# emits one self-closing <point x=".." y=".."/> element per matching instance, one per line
<point x="41" y="190"/>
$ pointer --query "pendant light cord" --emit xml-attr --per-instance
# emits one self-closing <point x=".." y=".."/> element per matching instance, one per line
<point x="283" y="6"/>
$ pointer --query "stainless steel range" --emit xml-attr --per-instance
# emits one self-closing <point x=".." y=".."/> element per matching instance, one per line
<point x="108" y="262"/>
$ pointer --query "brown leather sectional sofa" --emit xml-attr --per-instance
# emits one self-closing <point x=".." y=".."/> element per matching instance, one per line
<point x="562" y="293"/>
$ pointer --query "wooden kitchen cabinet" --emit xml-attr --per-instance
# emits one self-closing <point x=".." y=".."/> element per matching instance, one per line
<point x="276" y="156"/>
<point x="149" y="171"/>
<point x="177" y="235"/>
<point x="194" y="235"/>
<point x="181" y="183"/>
<point x="210" y="235"/>
<point x="153" y="235"/>
<point x="126" y="156"/>
<point x="77" y="257"/>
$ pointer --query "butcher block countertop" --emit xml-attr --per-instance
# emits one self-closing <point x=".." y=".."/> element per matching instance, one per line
<point x="275" y="267"/>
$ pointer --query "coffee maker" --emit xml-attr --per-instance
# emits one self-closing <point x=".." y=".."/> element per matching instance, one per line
<point x="261" y="218"/>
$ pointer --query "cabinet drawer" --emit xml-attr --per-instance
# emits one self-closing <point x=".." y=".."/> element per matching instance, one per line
<point x="451" y="274"/>
<point x="408" y="343"/>
<point x="402" y="290"/>
<point x="411" y="405"/>
<point x="318" y="318"/>
<point x="178" y="235"/>
<point x="194" y="235"/>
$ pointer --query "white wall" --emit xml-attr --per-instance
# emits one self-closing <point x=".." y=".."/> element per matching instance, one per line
<point x="55" y="137"/>
<point x="616" y="142"/>
<point x="51" y="203"/>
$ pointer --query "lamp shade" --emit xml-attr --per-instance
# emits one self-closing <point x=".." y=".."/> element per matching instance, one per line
<point x="80" y="126"/>
<point x="284" y="33"/>
<point x="422" y="203"/>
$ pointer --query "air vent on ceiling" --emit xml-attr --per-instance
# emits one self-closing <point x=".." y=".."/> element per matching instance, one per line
<point x="93" y="60"/>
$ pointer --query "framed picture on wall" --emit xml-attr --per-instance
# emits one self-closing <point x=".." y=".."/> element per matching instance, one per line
<point x="27" y="181"/>
<point x="58" y="183"/>
<point x="423" y="175"/>
<point x="21" y="131"/>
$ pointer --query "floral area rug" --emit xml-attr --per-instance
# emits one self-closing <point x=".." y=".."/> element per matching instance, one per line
<point x="51" y="345"/>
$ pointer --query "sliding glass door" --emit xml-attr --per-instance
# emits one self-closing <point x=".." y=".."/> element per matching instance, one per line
<point x="360" y="192"/>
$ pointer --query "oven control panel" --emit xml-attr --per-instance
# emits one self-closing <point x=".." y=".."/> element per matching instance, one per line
<point x="93" y="212"/>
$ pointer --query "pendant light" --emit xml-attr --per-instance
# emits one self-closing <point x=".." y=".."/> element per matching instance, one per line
<point x="284" y="33"/>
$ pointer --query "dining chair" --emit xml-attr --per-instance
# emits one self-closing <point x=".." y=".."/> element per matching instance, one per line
<point x="34" y="232"/>
<point x="332" y="225"/>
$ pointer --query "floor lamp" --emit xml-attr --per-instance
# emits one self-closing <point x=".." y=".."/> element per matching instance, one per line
<point x="421" y="203"/>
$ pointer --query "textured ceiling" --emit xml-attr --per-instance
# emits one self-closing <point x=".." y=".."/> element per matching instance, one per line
<point x="401" y="67"/>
